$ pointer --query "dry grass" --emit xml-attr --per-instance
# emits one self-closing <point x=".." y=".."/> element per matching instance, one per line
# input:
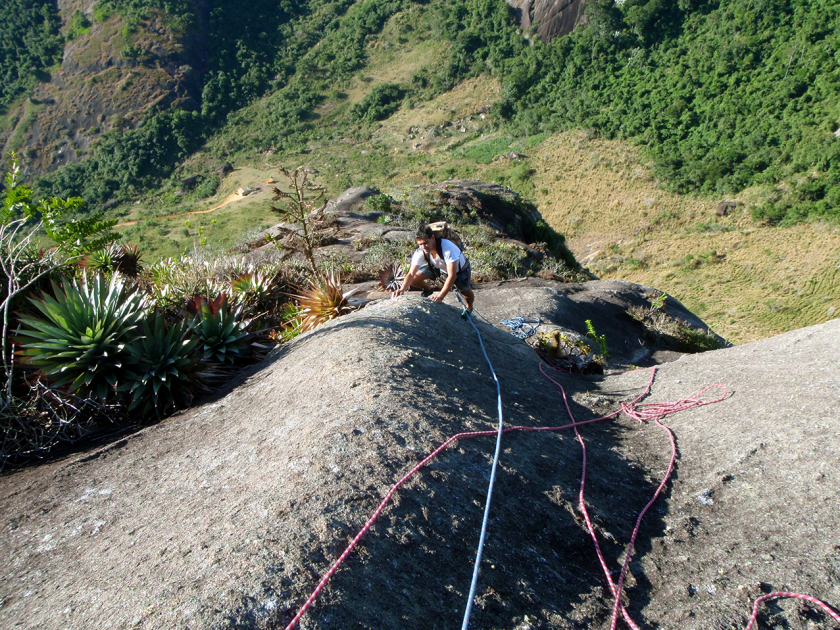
<point x="746" y="281"/>
<point x="460" y="103"/>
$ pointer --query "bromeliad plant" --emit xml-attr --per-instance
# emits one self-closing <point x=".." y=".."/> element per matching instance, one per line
<point x="222" y="331"/>
<point x="168" y="367"/>
<point x="79" y="340"/>
<point x="23" y="222"/>
<point x="392" y="277"/>
<point x="252" y="288"/>
<point x="322" y="301"/>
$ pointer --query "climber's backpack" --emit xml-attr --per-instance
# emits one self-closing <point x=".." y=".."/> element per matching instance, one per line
<point x="442" y="230"/>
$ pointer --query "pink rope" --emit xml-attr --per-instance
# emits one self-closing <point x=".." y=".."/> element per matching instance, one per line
<point x="655" y="412"/>
<point x="641" y="412"/>
<point x="813" y="600"/>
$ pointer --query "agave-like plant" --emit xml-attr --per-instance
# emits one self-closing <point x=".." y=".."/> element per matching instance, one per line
<point x="168" y="367"/>
<point x="221" y="329"/>
<point x="122" y="258"/>
<point x="322" y="301"/>
<point x="251" y="287"/>
<point x="79" y="342"/>
<point x="126" y="260"/>
<point x="392" y="277"/>
<point x="99" y="261"/>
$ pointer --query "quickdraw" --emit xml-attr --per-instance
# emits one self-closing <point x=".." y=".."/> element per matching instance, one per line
<point x="522" y="327"/>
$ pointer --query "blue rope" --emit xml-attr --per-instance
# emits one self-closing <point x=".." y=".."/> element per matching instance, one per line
<point x="522" y="327"/>
<point x="480" y="551"/>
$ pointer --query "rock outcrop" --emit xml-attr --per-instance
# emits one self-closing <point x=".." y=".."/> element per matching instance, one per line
<point x="226" y="515"/>
<point x="552" y="18"/>
<point x="100" y="86"/>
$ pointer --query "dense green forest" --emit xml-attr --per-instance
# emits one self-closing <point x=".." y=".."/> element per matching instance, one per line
<point x="29" y="44"/>
<point x="722" y="95"/>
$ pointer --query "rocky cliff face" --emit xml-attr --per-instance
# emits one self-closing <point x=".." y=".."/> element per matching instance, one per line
<point x="226" y="516"/>
<point x="109" y="78"/>
<point x="551" y="18"/>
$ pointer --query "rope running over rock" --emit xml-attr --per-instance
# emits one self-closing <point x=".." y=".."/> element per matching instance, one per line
<point x="640" y="412"/>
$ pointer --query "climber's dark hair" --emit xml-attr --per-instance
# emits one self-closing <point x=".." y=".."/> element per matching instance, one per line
<point x="424" y="231"/>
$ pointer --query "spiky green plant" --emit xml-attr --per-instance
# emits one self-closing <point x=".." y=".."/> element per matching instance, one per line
<point x="221" y="329"/>
<point x="122" y="258"/>
<point x="168" y="367"/>
<point x="322" y="301"/>
<point x="251" y="287"/>
<point x="127" y="260"/>
<point x="79" y="342"/>
<point x="289" y="322"/>
<point x="392" y="277"/>
<point x="99" y="261"/>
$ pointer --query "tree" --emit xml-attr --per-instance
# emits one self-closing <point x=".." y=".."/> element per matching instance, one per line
<point x="311" y="223"/>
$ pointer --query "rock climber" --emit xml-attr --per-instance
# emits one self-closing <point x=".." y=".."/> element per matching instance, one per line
<point x="437" y="257"/>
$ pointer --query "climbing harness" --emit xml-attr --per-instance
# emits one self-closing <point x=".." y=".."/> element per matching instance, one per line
<point x="641" y="412"/>
<point x="522" y="327"/>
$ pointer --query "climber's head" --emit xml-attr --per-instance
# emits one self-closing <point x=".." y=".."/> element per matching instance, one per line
<point x="425" y="238"/>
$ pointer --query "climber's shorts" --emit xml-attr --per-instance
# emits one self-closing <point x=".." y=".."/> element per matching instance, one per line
<point x="463" y="279"/>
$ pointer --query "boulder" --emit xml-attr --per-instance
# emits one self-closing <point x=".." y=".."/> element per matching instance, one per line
<point x="724" y="207"/>
<point x="191" y="181"/>
<point x="223" y="169"/>
<point x="350" y="200"/>
<point x="228" y="514"/>
<point x="480" y="202"/>
<point x="552" y="18"/>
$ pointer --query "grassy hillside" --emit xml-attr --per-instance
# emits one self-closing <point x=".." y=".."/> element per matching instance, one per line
<point x="722" y="95"/>
<point x="748" y="281"/>
<point x="704" y="100"/>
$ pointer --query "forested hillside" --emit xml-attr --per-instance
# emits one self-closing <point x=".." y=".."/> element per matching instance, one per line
<point x="29" y="44"/>
<point x="722" y="95"/>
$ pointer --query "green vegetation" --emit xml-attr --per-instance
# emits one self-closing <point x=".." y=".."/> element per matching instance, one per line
<point x="79" y="25"/>
<point x="78" y="338"/>
<point x="599" y="340"/>
<point x="382" y="101"/>
<point x="29" y="44"/>
<point x="484" y="152"/>
<point x="672" y="332"/>
<point x="724" y="96"/>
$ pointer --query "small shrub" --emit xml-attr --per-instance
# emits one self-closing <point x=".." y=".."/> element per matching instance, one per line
<point x="696" y="339"/>
<point x="600" y="340"/>
<point x="378" y="203"/>
<point x="382" y="101"/>
<point x="498" y="261"/>
<point x="79" y="25"/>
<point x="672" y="331"/>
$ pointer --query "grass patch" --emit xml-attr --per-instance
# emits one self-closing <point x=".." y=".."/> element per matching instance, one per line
<point x="30" y="113"/>
<point x="484" y="152"/>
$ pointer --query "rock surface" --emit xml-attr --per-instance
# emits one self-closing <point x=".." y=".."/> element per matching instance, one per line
<point x="552" y="18"/>
<point x="225" y="516"/>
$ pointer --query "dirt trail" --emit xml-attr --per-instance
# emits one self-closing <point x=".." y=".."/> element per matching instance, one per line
<point x="227" y="200"/>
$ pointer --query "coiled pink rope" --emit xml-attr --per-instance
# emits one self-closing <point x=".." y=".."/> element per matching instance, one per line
<point x="641" y="412"/>
<point x="645" y="412"/>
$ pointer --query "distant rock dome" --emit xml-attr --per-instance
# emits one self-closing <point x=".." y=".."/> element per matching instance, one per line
<point x="552" y="18"/>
